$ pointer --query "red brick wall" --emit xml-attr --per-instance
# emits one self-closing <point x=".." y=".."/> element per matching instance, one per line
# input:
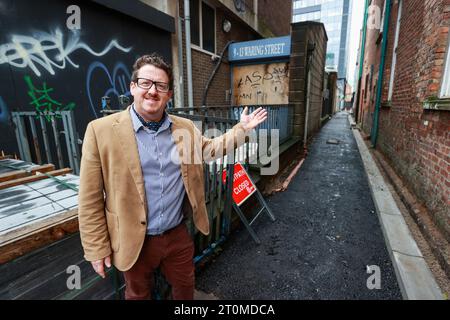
<point x="276" y="15"/>
<point x="203" y="65"/>
<point x="302" y="33"/>
<point x="369" y="78"/>
<point x="317" y="35"/>
<point x="417" y="141"/>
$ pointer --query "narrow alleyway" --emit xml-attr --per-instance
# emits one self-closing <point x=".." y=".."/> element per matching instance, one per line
<point x="326" y="234"/>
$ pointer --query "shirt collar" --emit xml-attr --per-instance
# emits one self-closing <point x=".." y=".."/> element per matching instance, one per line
<point x="137" y="124"/>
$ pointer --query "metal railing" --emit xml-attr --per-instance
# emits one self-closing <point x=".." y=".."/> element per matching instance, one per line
<point x="31" y="125"/>
<point x="219" y="196"/>
<point x="280" y="117"/>
<point x="277" y="128"/>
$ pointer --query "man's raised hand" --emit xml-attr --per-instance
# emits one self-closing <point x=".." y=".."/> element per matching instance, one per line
<point x="252" y="120"/>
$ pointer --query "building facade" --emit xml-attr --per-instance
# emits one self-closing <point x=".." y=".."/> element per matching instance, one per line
<point x="307" y="85"/>
<point x="404" y="96"/>
<point x="336" y="16"/>
<point x="249" y="20"/>
<point x="91" y="65"/>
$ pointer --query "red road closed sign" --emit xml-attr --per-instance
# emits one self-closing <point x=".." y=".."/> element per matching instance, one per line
<point x="242" y="185"/>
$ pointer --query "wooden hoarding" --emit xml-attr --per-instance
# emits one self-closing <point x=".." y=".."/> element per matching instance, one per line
<point x="261" y="84"/>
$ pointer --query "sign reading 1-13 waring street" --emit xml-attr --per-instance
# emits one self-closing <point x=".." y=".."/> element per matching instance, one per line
<point x="260" y="49"/>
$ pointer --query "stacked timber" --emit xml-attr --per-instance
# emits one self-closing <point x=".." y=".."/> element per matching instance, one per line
<point x="38" y="205"/>
<point x="40" y="248"/>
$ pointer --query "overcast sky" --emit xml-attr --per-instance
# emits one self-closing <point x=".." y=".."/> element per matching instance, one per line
<point x="355" y="27"/>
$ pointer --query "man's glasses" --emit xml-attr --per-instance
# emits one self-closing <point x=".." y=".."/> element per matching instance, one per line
<point x="146" y="84"/>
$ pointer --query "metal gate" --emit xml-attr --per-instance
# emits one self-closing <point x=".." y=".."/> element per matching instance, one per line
<point x="31" y="129"/>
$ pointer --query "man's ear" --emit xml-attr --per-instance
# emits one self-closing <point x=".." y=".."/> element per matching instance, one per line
<point x="132" y="88"/>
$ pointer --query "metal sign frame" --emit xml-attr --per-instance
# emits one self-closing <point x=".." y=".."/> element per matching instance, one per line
<point x="265" y="207"/>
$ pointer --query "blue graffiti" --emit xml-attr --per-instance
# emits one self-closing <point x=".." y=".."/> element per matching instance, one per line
<point x="115" y="85"/>
<point x="4" y="112"/>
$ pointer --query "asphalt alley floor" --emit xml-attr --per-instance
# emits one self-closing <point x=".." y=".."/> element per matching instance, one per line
<point x="326" y="235"/>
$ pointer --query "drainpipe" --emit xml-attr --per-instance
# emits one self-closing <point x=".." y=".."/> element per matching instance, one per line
<point x="374" y="133"/>
<point x="180" y="60"/>
<point x="361" y="59"/>
<point x="311" y="48"/>
<point x="211" y="77"/>
<point x="187" y="26"/>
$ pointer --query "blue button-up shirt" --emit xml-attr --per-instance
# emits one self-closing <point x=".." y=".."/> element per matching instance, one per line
<point x="164" y="186"/>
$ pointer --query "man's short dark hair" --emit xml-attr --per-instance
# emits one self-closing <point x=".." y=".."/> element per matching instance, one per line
<point x="156" y="60"/>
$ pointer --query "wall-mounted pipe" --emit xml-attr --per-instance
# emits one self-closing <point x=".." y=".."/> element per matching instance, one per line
<point x="361" y="59"/>
<point x="180" y="60"/>
<point x="187" y="26"/>
<point x="205" y="91"/>
<point x="374" y="133"/>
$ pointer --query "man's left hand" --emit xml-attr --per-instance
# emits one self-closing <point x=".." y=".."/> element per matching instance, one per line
<point x="250" y="121"/>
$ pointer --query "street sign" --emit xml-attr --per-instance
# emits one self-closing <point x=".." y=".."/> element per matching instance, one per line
<point x="279" y="47"/>
<point x="243" y="186"/>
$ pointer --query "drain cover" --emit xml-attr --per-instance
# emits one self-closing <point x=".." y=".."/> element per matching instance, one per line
<point x="333" y="141"/>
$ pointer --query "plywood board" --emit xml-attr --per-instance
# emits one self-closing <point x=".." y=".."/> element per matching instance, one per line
<point x="261" y="84"/>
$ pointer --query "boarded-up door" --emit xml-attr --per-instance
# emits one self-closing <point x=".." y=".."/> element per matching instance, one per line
<point x="261" y="84"/>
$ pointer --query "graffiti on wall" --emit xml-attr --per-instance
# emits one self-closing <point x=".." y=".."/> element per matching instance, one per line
<point x="261" y="84"/>
<point x="44" y="104"/>
<point x="106" y="83"/>
<point x="52" y="60"/>
<point x="47" y="51"/>
<point x="4" y="113"/>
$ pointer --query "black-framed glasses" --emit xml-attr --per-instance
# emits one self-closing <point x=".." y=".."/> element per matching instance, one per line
<point x="146" y="84"/>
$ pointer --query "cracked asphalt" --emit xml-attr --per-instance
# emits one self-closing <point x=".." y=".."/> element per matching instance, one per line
<point x="326" y="234"/>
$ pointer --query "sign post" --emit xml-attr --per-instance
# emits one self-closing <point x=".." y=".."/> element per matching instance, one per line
<point x="243" y="188"/>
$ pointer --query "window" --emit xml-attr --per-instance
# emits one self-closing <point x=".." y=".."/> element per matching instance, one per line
<point x="203" y="25"/>
<point x="310" y="16"/>
<point x="208" y="28"/>
<point x="373" y="94"/>
<point x="445" y="86"/>
<point x="306" y="3"/>
<point x="366" y="87"/>
<point x="382" y="17"/>
<point x="194" y="11"/>
<point x="394" y="53"/>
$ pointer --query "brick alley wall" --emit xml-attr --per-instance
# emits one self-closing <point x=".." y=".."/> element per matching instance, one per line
<point x="371" y="68"/>
<point x="303" y="32"/>
<point x="417" y="141"/>
<point x="275" y="15"/>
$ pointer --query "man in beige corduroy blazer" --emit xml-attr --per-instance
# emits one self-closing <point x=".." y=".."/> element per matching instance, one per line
<point x="113" y="210"/>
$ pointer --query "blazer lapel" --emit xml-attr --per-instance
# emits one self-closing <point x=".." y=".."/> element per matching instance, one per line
<point x="124" y="130"/>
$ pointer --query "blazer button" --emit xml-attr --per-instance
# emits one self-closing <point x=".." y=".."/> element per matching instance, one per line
<point x="143" y="223"/>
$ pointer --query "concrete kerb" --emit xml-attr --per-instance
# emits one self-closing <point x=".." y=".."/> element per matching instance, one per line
<point x="413" y="275"/>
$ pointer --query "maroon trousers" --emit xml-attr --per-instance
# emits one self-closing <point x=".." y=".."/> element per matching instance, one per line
<point x="173" y="251"/>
